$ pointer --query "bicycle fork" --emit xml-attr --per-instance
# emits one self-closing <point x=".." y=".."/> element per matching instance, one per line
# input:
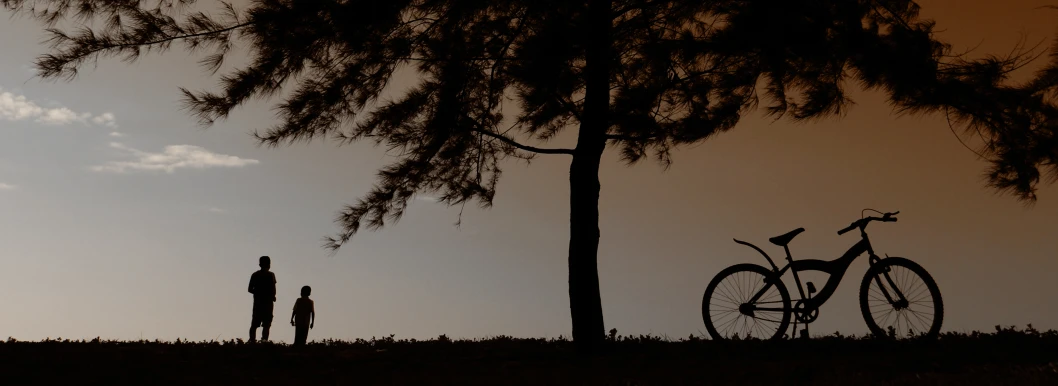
<point x="899" y="304"/>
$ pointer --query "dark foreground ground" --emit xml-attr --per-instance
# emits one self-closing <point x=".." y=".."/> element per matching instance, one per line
<point x="1005" y="357"/>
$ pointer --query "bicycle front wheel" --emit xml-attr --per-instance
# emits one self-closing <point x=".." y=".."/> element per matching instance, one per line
<point x="729" y="313"/>
<point x="899" y="299"/>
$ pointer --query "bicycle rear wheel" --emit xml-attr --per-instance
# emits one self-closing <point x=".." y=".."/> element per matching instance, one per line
<point x="728" y="314"/>
<point x="913" y="307"/>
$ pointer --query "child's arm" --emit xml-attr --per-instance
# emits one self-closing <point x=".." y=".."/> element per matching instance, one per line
<point x="295" y="312"/>
<point x="250" y="288"/>
<point x="274" y="281"/>
<point x="312" y="316"/>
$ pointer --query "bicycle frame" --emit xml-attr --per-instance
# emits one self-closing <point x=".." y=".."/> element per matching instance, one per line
<point x="836" y="268"/>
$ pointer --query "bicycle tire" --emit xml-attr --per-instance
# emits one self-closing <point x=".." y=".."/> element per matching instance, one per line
<point x="888" y="265"/>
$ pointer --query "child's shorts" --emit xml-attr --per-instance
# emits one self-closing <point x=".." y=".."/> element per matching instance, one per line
<point x="262" y="314"/>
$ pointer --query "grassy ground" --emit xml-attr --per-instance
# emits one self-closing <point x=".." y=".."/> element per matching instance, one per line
<point x="1006" y="357"/>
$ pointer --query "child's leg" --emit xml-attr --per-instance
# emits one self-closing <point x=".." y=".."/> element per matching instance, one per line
<point x="301" y="334"/>
<point x="253" y="328"/>
<point x="266" y="324"/>
<point x="262" y="315"/>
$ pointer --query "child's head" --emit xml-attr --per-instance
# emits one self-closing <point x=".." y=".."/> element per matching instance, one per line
<point x="264" y="262"/>
<point x="306" y="290"/>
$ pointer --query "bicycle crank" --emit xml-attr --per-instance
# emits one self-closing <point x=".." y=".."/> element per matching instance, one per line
<point x="803" y="314"/>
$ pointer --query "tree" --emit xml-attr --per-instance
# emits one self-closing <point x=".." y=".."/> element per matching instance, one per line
<point x="497" y="79"/>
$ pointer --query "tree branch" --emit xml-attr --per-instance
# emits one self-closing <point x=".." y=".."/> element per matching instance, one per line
<point x="628" y="138"/>
<point x="439" y="60"/>
<point x="171" y="38"/>
<point x="509" y="141"/>
<point x="74" y="50"/>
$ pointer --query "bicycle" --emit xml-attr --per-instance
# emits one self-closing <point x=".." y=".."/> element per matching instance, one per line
<point x="755" y="299"/>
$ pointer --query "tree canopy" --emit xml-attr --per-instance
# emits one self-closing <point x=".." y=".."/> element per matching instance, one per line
<point x="498" y="79"/>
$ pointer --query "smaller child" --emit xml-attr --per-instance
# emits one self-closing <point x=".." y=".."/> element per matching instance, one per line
<point x="303" y="317"/>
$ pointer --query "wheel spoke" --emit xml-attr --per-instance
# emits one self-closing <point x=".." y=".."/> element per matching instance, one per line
<point x="916" y="289"/>
<point x="925" y="326"/>
<point x="913" y="327"/>
<point x="722" y="311"/>
<point x="924" y="292"/>
<point x="890" y="309"/>
<point x="756" y="328"/>
<point x="726" y="291"/>
<point x="741" y="287"/>
<point x="727" y="319"/>
<point x="730" y="302"/>
<point x="724" y="326"/>
<point x="930" y="307"/>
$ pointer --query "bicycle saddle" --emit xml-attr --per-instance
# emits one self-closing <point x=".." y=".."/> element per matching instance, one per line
<point x="785" y="239"/>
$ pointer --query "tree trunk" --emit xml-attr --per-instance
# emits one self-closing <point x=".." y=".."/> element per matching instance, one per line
<point x="585" y="302"/>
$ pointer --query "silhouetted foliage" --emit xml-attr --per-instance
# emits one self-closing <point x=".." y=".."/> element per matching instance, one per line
<point x="497" y="77"/>
<point x="1008" y="356"/>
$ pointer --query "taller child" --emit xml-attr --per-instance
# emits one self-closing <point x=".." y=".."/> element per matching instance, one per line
<point x="263" y="288"/>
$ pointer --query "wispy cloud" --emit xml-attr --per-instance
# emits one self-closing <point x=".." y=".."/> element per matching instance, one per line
<point x="216" y="210"/>
<point x="4" y="187"/>
<point x="172" y="158"/>
<point x="106" y="119"/>
<point x="19" y="108"/>
<point x="117" y="134"/>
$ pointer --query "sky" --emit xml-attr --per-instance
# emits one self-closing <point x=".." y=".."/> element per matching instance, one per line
<point x="122" y="219"/>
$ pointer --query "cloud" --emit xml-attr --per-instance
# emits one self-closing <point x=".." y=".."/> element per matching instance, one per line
<point x="4" y="186"/>
<point x="116" y="134"/>
<point x="61" y="116"/>
<point x="106" y="119"/>
<point x="172" y="158"/>
<point x="19" y="108"/>
<point x="216" y="210"/>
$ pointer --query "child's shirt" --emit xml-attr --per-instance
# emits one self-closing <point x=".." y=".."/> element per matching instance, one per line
<point x="263" y="285"/>
<point x="303" y="307"/>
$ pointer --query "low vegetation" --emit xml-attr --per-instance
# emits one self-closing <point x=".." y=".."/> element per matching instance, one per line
<point x="1007" y="356"/>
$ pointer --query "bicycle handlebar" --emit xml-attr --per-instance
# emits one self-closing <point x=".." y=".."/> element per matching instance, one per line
<point x="849" y="228"/>
<point x="862" y="223"/>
